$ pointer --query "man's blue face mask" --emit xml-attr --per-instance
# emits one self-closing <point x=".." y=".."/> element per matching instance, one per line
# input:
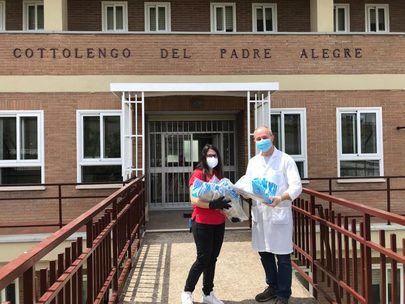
<point x="264" y="145"/>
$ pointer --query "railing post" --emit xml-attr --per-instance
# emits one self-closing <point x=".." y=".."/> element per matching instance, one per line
<point x="90" y="268"/>
<point x="115" y="247"/>
<point x="330" y="192"/>
<point x="28" y="283"/>
<point x="313" y="246"/>
<point x="388" y="197"/>
<point x="367" y="262"/>
<point x="60" y="205"/>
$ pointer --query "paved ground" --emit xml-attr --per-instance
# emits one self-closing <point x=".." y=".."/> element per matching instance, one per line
<point x="165" y="259"/>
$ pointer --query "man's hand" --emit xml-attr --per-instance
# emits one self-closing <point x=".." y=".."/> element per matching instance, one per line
<point x="276" y="200"/>
<point x="220" y="203"/>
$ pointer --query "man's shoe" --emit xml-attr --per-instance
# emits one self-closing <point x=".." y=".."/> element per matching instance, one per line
<point x="266" y="295"/>
<point x="186" y="297"/>
<point x="211" y="299"/>
<point x="281" y="301"/>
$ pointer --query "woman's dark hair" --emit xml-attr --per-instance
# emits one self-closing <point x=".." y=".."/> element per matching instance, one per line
<point x="203" y="161"/>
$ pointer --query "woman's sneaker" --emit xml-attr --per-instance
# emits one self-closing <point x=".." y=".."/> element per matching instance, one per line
<point x="211" y="299"/>
<point x="186" y="297"/>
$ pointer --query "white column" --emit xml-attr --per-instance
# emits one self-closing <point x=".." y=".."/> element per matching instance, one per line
<point x="55" y="14"/>
<point x="322" y="15"/>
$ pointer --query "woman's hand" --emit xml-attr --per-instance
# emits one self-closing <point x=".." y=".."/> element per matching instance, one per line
<point x="220" y="203"/>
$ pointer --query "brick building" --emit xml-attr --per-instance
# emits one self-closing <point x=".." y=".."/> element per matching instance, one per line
<point x="96" y="91"/>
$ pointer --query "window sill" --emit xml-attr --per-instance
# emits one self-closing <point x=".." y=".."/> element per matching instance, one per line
<point x="23" y="188"/>
<point x="361" y="180"/>
<point x="305" y="182"/>
<point x="99" y="186"/>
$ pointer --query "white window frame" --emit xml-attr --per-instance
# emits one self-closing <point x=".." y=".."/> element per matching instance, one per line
<point x="2" y="15"/>
<point x="17" y="292"/>
<point x="303" y="119"/>
<point x="25" y="15"/>
<point x="80" y="114"/>
<point x="346" y="7"/>
<point x="360" y="156"/>
<point x="273" y="6"/>
<point x="166" y="5"/>
<point x="214" y="14"/>
<point x="386" y="14"/>
<point x="401" y="269"/>
<point x="40" y="162"/>
<point x="114" y="4"/>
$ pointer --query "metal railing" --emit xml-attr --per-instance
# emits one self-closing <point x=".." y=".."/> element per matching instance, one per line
<point x="342" y="272"/>
<point x="386" y="184"/>
<point x="114" y="230"/>
<point x="54" y="192"/>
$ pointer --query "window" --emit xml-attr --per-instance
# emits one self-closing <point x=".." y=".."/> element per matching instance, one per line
<point x="223" y="17"/>
<point x="157" y="16"/>
<point x="21" y="148"/>
<point x="2" y="15"/>
<point x="376" y="280"/>
<point x="10" y="293"/>
<point x="99" y="146"/>
<point x="377" y="18"/>
<point x="341" y="15"/>
<point x="264" y="17"/>
<point x="115" y="16"/>
<point x="359" y="142"/>
<point x="289" y="129"/>
<point x="34" y="16"/>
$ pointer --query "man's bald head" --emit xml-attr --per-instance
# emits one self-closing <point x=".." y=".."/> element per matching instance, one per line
<point x="263" y="129"/>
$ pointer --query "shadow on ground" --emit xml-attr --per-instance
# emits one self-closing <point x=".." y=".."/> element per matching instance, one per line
<point x="165" y="260"/>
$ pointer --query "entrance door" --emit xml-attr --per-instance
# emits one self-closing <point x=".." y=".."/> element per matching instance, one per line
<point x="174" y="151"/>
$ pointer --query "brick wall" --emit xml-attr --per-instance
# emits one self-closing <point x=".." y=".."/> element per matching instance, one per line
<point x="357" y="14"/>
<point x="60" y="137"/>
<point x="379" y="54"/>
<point x="293" y="15"/>
<point x="188" y="16"/>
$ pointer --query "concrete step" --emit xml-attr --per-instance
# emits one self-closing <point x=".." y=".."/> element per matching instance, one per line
<point x="165" y="260"/>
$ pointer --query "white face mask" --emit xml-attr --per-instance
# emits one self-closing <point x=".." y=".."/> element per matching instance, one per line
<point x="212" y="162"/>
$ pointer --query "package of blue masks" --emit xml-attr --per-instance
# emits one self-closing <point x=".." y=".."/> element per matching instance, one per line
<point x="264" y="188"/>
<point x="209" y="191"/>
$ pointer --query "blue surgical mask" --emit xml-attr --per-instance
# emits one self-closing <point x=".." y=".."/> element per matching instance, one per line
<point x="264" y="145"/>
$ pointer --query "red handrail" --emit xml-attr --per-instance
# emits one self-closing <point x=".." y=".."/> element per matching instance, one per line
<point x="340" y="260"/>
<point x="120" y="215"/>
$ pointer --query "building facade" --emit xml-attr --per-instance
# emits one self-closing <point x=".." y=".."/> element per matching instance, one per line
<point x="98" y="91"/>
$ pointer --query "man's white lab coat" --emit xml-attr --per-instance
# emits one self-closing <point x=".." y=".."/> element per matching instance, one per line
<point x="272" y="228"/>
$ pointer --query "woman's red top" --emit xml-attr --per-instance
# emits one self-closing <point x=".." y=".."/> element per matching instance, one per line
<point x="203" y="215"/>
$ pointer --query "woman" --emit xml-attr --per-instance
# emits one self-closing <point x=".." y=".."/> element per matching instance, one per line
<point x="208" y="229"/>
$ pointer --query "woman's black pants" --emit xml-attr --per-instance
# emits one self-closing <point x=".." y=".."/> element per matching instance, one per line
<point x="208" y="240"/>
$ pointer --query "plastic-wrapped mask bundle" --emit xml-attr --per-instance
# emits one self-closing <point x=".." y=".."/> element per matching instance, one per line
<point x="206" y="191"/>
<point x="264" y="188"/>
<point x="209" y="191"/>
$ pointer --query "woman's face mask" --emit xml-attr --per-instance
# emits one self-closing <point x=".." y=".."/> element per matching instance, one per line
<point x="212" y="161"/>
<point x="264" y="145"/>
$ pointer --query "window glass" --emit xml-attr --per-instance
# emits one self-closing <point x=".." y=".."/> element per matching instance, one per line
<point x="349" y="133"/>
<point x="119" y="18"/>
<point x="110" y="18"/>
<point x="368" y="132"/>
<point x="152" y="19"/>
<point x="381" y="19"/>
<point x="40" y="17"/>
<point x="112" y="146"/>
<point x="161" y="18"/>
<point x="29" y="138"/>
<point x="8" y="138"/>
<point x="20" y="175"/>
<point x="292" y="125"/>
<point x="31" y="17"/>
<point x="219" y="19"/>
<point x="96" y="174"/>
<point x="91" y="137"/>
<point x="259" y="20"/>
<point x="229" y="18"/>
<point x="269" y="19"/>
<point x="360" y="168"/>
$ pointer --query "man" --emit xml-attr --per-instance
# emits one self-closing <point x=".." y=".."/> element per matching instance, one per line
<point x="272" y="225"/>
